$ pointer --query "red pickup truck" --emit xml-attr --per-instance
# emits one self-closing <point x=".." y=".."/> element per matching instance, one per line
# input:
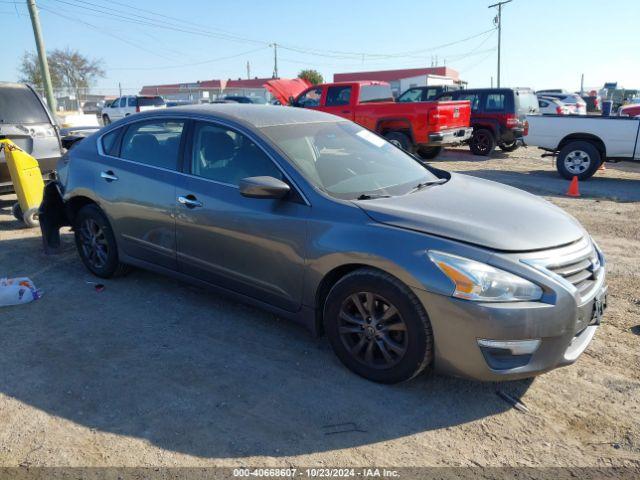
<point x="423" y="127"/>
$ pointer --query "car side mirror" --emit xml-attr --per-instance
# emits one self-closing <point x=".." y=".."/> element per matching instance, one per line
<point x="263" y="187"/>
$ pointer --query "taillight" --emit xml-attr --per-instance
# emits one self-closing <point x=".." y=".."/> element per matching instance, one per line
<point x="512" y="121"/>
<point x="137" y="108"/>
<point x="559" y="110"/>
<point x="526" y="128"/>
<point x="596" y="104"/>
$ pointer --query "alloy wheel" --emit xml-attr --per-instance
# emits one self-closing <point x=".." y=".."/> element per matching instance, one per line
<point x="577" y="162"/>
<point x="95" y="247"/>
<point x="372" y="330"/>
<point x="482" y="142"/>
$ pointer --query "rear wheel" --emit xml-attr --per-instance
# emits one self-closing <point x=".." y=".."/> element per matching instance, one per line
<point x="377" y="327"/>
<point x="96" y="243"/>
<point x="578" y="159"/>
<point x="399" y="139"/>
<point x="482" y="142"/>
<point x="429" y="153"/>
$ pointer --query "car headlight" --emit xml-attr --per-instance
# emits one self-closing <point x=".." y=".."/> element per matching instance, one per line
<point x="483" y="283"/>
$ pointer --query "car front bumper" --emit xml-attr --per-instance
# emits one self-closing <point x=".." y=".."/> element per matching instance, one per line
<point x="450" y="137"/>
<point x="560" y="327"/>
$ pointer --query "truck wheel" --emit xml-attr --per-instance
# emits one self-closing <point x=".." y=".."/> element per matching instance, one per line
<point x="106" y="120"/>
<point x="482" y="142"/>
<point x="578" y="159"/>
<point x="428" y="153"/>
<point x="508" y="147"/>
<point x="16" y="211"/>
<point x="399" y="139"/>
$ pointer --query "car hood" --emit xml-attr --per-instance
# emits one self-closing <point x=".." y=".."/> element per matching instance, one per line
<point x="284" y="89"/>
<point x="479" y="212"/>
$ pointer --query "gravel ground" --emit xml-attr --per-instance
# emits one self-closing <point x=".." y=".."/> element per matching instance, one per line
<point x="153" y="372"/>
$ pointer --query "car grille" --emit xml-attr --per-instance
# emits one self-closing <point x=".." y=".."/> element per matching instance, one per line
<point x="580" y="269"/>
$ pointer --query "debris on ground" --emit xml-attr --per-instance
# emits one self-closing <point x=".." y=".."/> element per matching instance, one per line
<point x="16" y="291"/>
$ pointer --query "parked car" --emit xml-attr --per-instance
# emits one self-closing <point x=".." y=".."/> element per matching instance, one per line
<point x="552" y="106"/>
<point x="498" y="116"/>
<point x="26" y="120"/>
<point x="318" y="219"/>
<point x="425" y="94"/>
<point x="630" y="110"/>
<point x="125" y="106"/>
<point x="423" y="128"/>
<point x="577" y="105"/>
<point x="91" y="107"/>
<point x="581" y="144"/>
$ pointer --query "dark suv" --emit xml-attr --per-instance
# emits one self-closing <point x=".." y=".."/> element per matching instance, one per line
<point x="498" y="116"/>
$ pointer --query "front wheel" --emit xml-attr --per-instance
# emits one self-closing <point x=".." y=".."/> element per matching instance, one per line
<point x="429" y="153"/>
<point x="377" y="327"/>
<point x="578" y="159"/>
<point x="106" y="120"/>
<point x="482" y="142"/>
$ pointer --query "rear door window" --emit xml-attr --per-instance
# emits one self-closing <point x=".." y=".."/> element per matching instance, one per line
<point x="375" y="93"/>
<point x="526" y="102"/>
<point x="154" y="143"/>
<point x="338" y="96"/>
<point x="19" y="104"/>
<point x="110" y="142"/>
<point x="495" y="102"/>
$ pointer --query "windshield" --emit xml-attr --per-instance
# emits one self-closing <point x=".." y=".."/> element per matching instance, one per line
<point x="347" y="161"/>
<point x="20" y="105"/>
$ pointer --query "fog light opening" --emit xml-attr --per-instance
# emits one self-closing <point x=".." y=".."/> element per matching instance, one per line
<point x="514" y="347"/>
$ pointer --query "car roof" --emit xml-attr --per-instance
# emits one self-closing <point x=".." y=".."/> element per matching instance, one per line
<point x="254" y="115"/>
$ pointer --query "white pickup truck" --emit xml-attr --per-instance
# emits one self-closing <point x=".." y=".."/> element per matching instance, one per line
<point x="582" y="143"/>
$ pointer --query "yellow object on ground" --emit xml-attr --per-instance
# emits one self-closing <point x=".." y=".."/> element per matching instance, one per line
<point x="27" y="182"/>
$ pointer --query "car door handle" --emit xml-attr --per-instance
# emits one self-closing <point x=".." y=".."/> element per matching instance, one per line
<point x="189" y="201"/>
<point x="109" y="176"/>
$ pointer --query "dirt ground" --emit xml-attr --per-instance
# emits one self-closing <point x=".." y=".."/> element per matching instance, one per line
<point x="154" y="372"/>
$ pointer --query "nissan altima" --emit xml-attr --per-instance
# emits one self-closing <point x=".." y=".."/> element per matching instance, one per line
<point x="403" y="266"/>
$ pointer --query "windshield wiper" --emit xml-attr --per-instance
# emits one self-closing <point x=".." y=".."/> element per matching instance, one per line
<point x="420" y="186"/>
<point x="371" y="196"/>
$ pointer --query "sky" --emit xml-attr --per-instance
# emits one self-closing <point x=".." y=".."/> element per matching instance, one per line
<point x="545" y="43"/>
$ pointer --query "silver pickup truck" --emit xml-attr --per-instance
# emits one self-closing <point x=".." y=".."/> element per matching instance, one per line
<point x="582" y="143"/>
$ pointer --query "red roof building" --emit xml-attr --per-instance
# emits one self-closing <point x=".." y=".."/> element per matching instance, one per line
<point x="208" y="89"/>
<point x="396" y="75"/>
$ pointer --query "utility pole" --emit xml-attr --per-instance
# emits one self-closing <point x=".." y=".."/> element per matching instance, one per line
<point x="248" y="71"/>
<point x="582" y="84"/>
<point x="275" y="59"/>
<point x="119" y="89"/>
<point x="498" y="20"/>
<point x="42" y="55"/>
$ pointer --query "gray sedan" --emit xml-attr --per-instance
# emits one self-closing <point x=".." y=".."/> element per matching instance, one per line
<point x="403" y="266"/>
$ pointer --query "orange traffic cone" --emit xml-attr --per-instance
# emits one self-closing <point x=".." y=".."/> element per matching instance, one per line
<point x="573" y="191"/>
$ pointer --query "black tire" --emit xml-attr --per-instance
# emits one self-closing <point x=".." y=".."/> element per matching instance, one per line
<point x="16" y="211"/>
<point x="482" y="142"/>
<point x="399" y="139"/>
<point x="429" y="153"/>
<point x="106" y="120"/>
<point x="508" y="147"/>
<point x="578" y="159"/>
<point x="406" y="336"/>
<point x="91" y="220"/>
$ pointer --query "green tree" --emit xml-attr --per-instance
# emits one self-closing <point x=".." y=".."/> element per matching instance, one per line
<point x="313" y="76"/>
<point x="70" y="71"/>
